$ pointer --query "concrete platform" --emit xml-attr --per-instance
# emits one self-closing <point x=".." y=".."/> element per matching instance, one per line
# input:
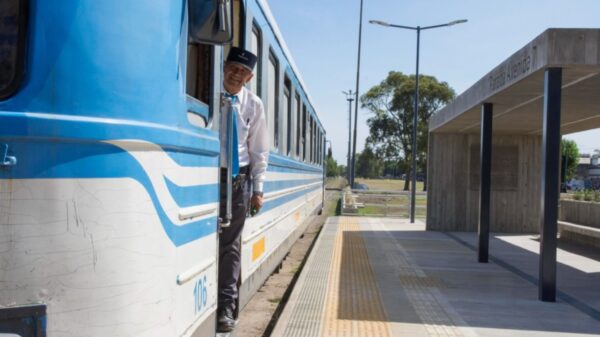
<point x="385" y="277"/>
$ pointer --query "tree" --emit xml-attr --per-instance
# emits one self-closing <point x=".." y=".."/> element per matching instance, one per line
<point x="368" y="165"/>
<point x="332" y="166"/>
<point x="570" y="157"/>
<point x="392" y="104"/>
<point x="391" y="168"/>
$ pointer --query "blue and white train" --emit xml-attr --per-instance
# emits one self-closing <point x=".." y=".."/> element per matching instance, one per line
<point x="109" y="162"/>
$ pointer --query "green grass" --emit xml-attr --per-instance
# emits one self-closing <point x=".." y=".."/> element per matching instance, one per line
<point x="390" y="199"/>
<point x="338" y="208"/>
<point x="398" y="205"/>
<point x="335" y="183"/>
<point x="387" y="184"/>
<point x="370" y="210"/>
<point x="381" y="211"/>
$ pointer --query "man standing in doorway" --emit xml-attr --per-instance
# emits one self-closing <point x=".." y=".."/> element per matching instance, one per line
<point x="253" y="155"/>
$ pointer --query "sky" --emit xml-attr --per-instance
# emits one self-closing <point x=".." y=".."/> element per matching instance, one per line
<point x="322" y="36"/>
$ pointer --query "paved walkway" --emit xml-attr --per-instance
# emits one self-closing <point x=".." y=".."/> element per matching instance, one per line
<point x="385" y="277"/>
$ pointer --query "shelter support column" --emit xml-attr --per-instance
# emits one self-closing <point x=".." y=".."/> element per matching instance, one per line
<point x="549" y="184"/>
<point x="485" y="155"/>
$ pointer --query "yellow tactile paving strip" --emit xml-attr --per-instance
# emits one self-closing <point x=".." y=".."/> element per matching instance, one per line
<point x="353" y="305"/>
<point x="338" y="293"/>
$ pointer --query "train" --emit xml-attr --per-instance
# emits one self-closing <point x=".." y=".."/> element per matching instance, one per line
<point x="110" y="150"/>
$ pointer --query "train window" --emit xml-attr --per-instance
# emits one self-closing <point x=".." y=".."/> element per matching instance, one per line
<point x="309" y="139"/>
<point x="324" y="157"/>
<point x="303" y="136"/>
<point x="272" y="101"/>
<point x="284" y="120"/>
<point x="238" y="19"/>
<point x="199" y="72"/>
<point x="319" y="150"/>
<point x="297" y="130"/>
<point x="308" y="136"/>
<point x="293" y="126"/>
<point x="255" y="47"/>
<point x="286" y="116"/>
<point x="317" y="142"/>
<point x="13" y="23"/>
<point x="323" y="148"/>
<point x="319" y="147"/>
<point x="237" y="27"/>
<point x="312" y="140"/>
<point x="321" y="153"/>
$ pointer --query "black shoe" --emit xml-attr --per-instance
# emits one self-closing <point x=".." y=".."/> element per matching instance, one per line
<point x="225" y="320"/>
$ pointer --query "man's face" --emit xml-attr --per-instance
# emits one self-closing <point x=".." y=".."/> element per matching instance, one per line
<point x="235" y="76"/>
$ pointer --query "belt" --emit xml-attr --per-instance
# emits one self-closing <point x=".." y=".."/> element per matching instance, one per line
<point x="245" y="170"/>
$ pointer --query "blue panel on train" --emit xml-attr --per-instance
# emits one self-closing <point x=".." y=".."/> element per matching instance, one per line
<point x="62" y="160"/>
<point x="87" y="64"/>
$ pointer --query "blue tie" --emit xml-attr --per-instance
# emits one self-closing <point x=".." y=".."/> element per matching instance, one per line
<point x="235" y="156"/>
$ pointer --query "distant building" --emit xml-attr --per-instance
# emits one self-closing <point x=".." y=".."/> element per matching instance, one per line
<point x="587" y="175"/>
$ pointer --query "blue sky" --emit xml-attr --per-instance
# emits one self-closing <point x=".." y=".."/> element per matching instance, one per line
<point x="322" y="36"/>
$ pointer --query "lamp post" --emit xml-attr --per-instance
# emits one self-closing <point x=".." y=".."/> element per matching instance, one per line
<point x="349" y="98"/>
<point x="356" y="94"/>
<point x="416" y="108"/>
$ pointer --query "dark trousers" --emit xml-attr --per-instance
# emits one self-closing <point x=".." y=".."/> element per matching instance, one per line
<point x="230" y="238"/>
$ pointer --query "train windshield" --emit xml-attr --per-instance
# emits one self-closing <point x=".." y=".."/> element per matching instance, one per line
<point x="12" y="25"/>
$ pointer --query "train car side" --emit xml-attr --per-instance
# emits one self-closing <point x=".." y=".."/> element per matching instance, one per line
<point x="108" y="217"/>
<point x="293" y="190"/>
<point x="109" y="171"/>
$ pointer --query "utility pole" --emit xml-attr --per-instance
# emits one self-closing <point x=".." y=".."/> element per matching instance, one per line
<point x="349" y="98"/>
<point x="356" y="93"/>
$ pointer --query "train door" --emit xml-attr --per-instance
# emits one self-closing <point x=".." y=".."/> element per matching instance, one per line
<point x="207" y="111"/>
<point x="226" y="121"/>
<point x="198" y="262"/>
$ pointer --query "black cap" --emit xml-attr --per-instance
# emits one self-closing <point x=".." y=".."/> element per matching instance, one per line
<point x="243" y="57"/>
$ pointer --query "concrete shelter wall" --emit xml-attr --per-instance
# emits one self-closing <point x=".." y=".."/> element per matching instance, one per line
<point x="447" y="179"/>
<point x="453" y="178"/>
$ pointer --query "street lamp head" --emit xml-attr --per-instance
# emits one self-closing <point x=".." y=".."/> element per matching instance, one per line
<point x="456" y="22"/>
<point x="377" y="22"/>
<point x="349" y="95"/>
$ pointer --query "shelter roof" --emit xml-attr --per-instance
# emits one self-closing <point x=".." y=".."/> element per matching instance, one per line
<point x="516" y="87"/>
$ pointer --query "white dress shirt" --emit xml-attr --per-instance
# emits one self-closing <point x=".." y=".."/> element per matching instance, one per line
<point x="253" y="138"/>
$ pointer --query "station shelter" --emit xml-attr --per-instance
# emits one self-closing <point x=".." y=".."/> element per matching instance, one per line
<point x="494" y="152"/>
